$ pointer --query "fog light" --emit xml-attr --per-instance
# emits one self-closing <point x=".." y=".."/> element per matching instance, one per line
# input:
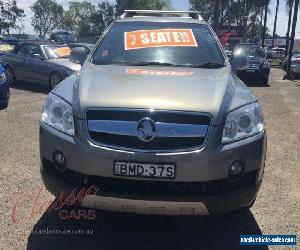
<point x="236" y="170"/>
<point x="59" y="160"/>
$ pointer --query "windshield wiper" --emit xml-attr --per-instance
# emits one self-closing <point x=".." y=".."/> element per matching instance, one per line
<point x="152" y="63"/>
<point x="207" y="65"/>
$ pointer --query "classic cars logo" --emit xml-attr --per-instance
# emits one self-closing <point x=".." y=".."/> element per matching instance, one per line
<point x="32" y="204"/>
<point x="146" y="129"/>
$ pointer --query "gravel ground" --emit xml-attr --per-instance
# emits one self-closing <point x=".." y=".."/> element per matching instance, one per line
<point x="276" y="211"/>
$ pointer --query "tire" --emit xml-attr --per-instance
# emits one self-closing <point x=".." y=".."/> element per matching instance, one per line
<point x="5" y="105"/>
<point x="265" y="81"/>
<point x="54" y="79"/>
<point x="10" y="75"/>
<point x="8" y="95"/>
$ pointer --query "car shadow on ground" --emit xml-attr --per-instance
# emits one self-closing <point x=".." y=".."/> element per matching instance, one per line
<point x="30" y="86"/>
<point x="254" y="83"/>
<point x="129" y="231"/>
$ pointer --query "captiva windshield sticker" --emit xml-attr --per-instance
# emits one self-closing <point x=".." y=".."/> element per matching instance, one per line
<point x="141" y="39"/>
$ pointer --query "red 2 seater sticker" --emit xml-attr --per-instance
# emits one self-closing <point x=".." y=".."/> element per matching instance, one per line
<point x="151" y="72"/>
<point x="141" y="39"/>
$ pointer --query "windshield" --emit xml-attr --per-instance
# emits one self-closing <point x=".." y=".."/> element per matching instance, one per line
<point x="55" y="52"/>
<point x="251" y="51"/>
<point x="164" y="44"/>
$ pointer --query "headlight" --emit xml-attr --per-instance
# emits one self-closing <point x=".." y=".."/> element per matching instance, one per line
<point x="58" y="114"/>
<point x="243" y="122"/>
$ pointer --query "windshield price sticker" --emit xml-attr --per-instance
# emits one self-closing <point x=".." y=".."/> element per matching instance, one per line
<point x="5" y="47"/>
<point x="63" y="51"/>
<point x="141" y="39"/>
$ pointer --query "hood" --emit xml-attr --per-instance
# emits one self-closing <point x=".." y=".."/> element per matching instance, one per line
<point x="66" y="63"/>
<point x="169" y="88"/>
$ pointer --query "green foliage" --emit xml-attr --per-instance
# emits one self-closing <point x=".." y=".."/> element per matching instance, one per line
<point x="47" y="16"/>
<point x="242" y="13"/>
<point x="103" y="17"/>
<point x="253" y="31"/>
<point x="10" y="15"/>
<point x="84" y="18"/>
<point x="230" y="11"/>
<point x="122" y="5"/>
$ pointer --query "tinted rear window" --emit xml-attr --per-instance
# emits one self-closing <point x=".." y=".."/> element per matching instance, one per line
<point x="112" y="49"/>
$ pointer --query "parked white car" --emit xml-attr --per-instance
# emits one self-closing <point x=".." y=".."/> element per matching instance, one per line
<point x="295" y="64"/>
<point x="278" y="53"/>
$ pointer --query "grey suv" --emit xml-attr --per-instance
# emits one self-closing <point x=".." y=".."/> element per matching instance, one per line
<point x="157" y="120"/>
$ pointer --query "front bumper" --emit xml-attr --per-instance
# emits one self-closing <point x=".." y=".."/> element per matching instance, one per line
<point x="200" y="187"/>
<point x="262" y="73"/>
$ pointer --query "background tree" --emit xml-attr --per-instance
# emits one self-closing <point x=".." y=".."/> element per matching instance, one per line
<point x="206" y="7"/>
<point x="78" y="18"/>
<point x="230" y="12"/>
<point x="47" y="16"/>
<point x="291" y="47"/>
<point x="289" y="8"/>
<point x="10" y="15"/>
<point x="103" y="17"/>
<point x="266" y="11"/>
<point x="275" y="23"/>
<point x="122" y="5"/>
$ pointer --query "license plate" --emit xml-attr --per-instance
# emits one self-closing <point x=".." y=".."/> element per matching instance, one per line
<point x="136" y="169"/>
<point x="250" y="70"/>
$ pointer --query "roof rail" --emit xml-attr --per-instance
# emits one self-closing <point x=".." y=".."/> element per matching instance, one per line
<point x="191" y="14"/>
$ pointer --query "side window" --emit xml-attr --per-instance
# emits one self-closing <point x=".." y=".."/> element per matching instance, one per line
<point x="29" y="50"/>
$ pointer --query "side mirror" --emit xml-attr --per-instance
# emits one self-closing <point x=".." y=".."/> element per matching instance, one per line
<point x="38" y="56"/>
<point x="239" y="62"/>
<point x="78" y="55"/>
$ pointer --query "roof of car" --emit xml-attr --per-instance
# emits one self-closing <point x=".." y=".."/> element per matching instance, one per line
<point x="160" y="19"/>
<point x="247" y="44"/>
<point x="81" y="45"/>
<point x="38" y="42"/>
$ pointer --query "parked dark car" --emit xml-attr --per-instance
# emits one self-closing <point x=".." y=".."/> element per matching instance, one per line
<point x="5" y="47"/>
<point x="4" y="88"/>
<point x="258" y="66"/>
<point x="62" y="37"/>
<point x="39" y="61"/>
<point x="12" y="41"/>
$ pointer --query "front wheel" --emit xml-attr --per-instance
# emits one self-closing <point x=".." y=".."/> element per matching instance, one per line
<point x="10" y="76"/>
<point x="54" y="79"/>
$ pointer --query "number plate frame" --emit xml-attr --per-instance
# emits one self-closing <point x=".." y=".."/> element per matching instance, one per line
<point x="143" y="165"/>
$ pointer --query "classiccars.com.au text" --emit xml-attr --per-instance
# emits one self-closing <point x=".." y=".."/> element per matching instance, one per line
<point x="60" y="231"/>
<point x="268" y="240"/>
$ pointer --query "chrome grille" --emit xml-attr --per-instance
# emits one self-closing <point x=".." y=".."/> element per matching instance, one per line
<point x="254" y="65"/>
<point x="175" y="131"/>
